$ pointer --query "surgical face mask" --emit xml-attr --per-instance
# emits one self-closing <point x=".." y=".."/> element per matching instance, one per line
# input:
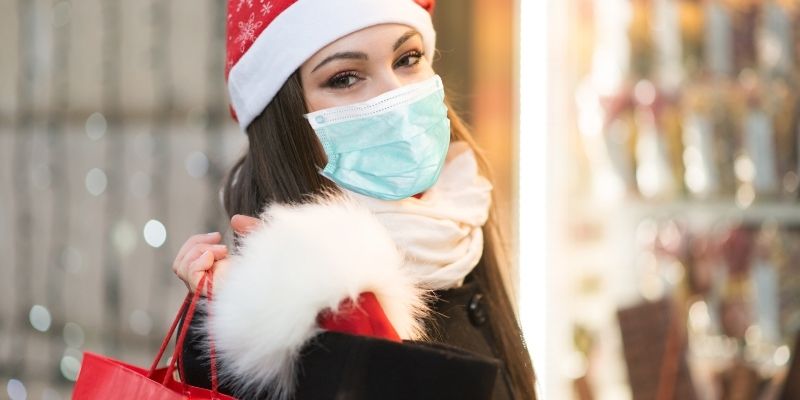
<point x="390" y="147"/>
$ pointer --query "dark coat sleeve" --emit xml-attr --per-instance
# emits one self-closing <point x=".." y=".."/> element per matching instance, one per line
<point x="335" y="365"/>
<point x="461" y="318"/>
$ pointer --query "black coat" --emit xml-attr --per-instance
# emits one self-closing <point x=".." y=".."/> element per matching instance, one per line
<point x="461" y="362"/>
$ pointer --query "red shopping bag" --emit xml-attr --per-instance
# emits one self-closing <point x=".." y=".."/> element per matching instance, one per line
<point x="103" y="378"/>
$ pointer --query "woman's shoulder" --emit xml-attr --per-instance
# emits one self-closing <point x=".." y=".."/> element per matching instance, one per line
<point x="461" y="318"/>
<point x="362" y="367"/>
<point x="309" y="312"/>
<point x="371" y="368"/>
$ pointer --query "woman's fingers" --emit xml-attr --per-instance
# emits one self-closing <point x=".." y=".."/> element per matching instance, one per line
<point x="220" y="269"/>
<point x="212" y="238"/>
<point x="198" y="267"/>
<point x="197" y="252"/>
<point x="242" y="224"/>
<point x="219" y="251"/>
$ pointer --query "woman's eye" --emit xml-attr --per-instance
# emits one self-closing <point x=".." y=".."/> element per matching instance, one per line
<point x="409" y="59"/>
<point x="342" y="81"/>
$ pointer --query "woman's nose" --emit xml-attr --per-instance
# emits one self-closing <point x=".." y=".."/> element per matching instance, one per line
<point x="391" y="78"/>
<point x="387" y="81"/>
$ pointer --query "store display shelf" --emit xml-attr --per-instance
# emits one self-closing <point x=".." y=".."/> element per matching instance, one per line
<point x="784" y="212"/>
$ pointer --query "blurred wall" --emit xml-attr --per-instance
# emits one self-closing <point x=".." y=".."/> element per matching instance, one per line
<point x="477" y="41"/>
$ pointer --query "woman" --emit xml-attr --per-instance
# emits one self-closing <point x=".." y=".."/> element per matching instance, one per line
<point x="295" y="66"/>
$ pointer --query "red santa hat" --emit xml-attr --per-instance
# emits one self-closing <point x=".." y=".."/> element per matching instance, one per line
<point x="267" y="40"/>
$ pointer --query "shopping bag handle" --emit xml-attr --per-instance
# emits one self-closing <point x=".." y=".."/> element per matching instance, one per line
<point x="189" y="306"/>
<point x="164" y="343"/>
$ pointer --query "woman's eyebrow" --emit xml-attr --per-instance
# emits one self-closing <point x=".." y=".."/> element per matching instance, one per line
<point x="357" y="55"/>
<point x="404" y="38"/>
<point x="347" y="55"/>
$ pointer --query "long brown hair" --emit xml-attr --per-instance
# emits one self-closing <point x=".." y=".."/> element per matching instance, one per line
<point x="281" y="165"/>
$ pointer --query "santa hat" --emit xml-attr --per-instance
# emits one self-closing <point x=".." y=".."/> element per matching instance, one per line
<point x="267" y="40"/>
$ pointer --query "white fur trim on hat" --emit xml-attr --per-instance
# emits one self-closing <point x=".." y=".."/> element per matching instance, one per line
<point x="299" y="32"/>
<point x="303" y="260"/>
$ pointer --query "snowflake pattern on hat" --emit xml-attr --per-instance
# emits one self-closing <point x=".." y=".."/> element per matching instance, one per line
<point x="266" y="8"/>
<point x="246" y="21"/>
<point x="247" y="31"/>
<point x="239" y="5"/>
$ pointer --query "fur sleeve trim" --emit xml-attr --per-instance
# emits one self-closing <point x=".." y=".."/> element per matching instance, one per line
<point x="305" y="259"/>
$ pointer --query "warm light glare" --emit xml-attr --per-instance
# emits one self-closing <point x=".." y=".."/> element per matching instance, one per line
<point x="533" y="182"/>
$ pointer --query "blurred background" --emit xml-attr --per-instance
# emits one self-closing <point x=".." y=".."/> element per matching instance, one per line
<point x="675" y="272"/>
<point x="645" y="159"/>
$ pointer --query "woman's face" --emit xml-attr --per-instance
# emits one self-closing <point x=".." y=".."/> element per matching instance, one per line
<point x="364" y="64"/>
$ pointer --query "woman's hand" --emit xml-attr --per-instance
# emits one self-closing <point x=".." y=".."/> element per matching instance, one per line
<point x="197" y="255"/>
<point x="242" y="224"/>
<point x="203" y="252"/>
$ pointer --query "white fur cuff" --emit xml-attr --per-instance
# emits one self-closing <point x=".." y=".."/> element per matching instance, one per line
<point x="305" y="259"/>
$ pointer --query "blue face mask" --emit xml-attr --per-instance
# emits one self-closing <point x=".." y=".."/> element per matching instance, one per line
<point x="390" y="147"/>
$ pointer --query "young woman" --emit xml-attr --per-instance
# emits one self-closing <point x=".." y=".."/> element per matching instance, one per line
<point x="341" y="98"/>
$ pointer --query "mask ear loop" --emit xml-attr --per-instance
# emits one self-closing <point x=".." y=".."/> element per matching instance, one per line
<point x="327" y="147"/>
